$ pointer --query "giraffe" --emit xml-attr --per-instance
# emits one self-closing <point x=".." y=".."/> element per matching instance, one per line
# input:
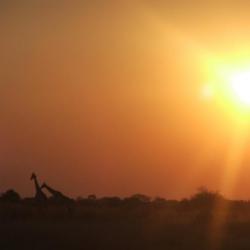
<point x="56" y="195"/>
<point x="39" y="195"/>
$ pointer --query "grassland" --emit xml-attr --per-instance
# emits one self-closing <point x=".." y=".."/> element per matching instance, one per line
<point x="205" y="221"/>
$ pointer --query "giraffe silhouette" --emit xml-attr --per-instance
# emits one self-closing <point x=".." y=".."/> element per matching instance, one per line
<point x="40" y="196"/>
<point x="56" y="195"/>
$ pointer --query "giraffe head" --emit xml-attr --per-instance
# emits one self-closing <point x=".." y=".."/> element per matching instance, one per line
<point x="33" y="176"/>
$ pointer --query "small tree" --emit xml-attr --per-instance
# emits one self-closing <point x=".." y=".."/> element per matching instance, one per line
<point x="204" y="196"/>
<point x="141" y="198"/>
<point x="10" y="196"/>
<point x="92" y="197"/>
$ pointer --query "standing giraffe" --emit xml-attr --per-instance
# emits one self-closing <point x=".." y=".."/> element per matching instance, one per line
<point x="40" y="196"/>
<point x="56" y="195"/>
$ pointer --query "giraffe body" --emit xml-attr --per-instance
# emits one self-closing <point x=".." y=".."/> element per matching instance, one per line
<point x="57" y="196"/>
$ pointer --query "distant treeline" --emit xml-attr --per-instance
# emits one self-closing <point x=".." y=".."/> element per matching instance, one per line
<point x="203" y="196"/>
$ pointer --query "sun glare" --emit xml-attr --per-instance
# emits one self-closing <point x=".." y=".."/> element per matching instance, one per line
<point x="229" y="86"/>
<point x="240" y="84"/>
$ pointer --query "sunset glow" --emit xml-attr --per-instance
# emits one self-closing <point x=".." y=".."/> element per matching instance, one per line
<point x="140" y="93"/>
<point x="114" y="113"/>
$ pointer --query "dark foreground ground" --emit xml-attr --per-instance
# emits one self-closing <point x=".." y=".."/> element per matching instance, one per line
<point x="137" y="225"/>
<point x="120" y="235"/>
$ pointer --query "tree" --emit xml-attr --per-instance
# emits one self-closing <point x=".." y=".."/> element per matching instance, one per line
<point x="10" y="196"/>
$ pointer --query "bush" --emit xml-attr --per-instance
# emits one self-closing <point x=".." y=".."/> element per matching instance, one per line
<point x="10" y="196"/>
<point x="206" y="197"/>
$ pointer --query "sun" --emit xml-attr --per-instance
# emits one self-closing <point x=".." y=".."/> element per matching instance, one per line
<point x="227" y="80"/>
<point x="240" y="85"/>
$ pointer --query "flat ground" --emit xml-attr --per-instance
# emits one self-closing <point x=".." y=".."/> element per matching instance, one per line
<point x="140" y="226"/>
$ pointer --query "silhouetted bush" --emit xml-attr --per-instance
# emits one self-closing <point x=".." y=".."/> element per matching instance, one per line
<point x="10" y="196"/>
<point x="137" y="199"/>
<point x="204" y="197"/>
<point x="159" y="201"/>
<point x="92" y="197"/>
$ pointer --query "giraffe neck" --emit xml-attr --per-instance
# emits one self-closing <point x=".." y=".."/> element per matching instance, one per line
<point x="51" y="190"/>
<point x="36" y="185"/>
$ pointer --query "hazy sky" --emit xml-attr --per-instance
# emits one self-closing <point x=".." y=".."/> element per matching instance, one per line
<point x="104" y="97"/>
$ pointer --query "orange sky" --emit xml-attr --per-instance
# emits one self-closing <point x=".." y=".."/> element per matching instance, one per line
<point x="105" y="98"/>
